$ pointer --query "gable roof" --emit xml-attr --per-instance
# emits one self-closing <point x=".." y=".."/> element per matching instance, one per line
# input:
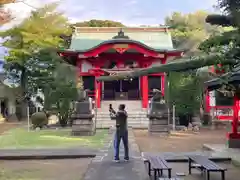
<point x="216" y="83"/>
<point x="85" y="38"/>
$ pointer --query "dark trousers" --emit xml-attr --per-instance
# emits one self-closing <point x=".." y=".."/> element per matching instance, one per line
<point x="118" y="137"/>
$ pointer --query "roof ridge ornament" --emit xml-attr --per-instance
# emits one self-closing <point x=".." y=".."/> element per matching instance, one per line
<point x="121" y="35"/>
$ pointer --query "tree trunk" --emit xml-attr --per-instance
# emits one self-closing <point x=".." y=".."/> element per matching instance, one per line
<point x="23" y="101"/>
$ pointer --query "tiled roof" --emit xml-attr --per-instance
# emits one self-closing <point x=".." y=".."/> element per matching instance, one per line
<point x="87" y="38"/>
<point x="231" y="78"/>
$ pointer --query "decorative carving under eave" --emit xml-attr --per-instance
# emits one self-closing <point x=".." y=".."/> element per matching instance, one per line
<point x="121" y="48"/>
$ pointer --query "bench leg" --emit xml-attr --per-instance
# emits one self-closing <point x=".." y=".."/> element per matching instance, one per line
<point x="189" y="166"/>
<point x="208" y="175"/>
<point x="223" y="175"/>
<point x="149" y="168"/>
<point x="169" y="173"/>
<point x="160" y="172"/>
<point x="202" y="171"/>
<point x="155" y="174"/>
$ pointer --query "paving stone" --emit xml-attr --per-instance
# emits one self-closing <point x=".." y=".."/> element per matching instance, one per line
<point x="109" y="170"/>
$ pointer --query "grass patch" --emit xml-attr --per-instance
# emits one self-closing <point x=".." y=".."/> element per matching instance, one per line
<point x="20" y="138"/>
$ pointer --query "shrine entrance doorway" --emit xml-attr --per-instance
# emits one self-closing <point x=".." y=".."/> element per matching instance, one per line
<point x="121" y="90"/>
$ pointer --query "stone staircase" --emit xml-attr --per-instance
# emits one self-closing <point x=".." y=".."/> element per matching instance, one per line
<point x="137" y="117"/>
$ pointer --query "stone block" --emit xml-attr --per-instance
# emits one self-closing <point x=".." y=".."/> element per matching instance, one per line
<point x="83" y="107"/>
<point x="82" y="119"/>
<point x="234" y="143"/>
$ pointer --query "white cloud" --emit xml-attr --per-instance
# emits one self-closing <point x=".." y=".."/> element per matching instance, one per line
<point x="133" y="2"/>
<point x="20" y="11"/>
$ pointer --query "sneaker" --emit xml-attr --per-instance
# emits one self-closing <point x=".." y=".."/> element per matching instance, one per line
<point x="116" y="160"/>
<point x="126" y="159"/>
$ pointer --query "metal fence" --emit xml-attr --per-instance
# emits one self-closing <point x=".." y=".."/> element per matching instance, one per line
<point x="224" y="113"/>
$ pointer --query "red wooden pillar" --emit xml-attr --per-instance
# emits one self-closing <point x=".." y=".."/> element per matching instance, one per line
<point x="97" y="93"/>
<point x="163" y="77"/>
<point x="144" y="91"/>
<point x="163" y="83"/>
<point x="235" y="115"/>
<point x="207" y="109"/>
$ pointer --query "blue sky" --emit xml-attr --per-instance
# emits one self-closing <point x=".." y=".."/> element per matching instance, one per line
<point x="129" y="12"/>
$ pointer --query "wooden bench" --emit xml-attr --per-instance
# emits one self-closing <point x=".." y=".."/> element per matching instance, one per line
<point x="205" y="165"/>
<point x="157" y="164"/>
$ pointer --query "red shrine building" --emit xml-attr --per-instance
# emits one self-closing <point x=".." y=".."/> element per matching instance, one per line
<point x="111" y="50"/>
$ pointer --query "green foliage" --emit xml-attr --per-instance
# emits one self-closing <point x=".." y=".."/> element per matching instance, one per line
<point x="39" y="119"/>
<point x="41" y="30"/>
<point x="61" y="92"/>
<point x="184" y="92"/>
<point x="231" y="14"/>
<point x="231" y="7"/>
<point x="99" y="23"/>
<point x="33" y="60"/>
<point x="189" y="30"/>
<point x="27" y="41"/>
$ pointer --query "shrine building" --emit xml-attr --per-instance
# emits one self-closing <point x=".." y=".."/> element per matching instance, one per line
<point x="111" y="50"/>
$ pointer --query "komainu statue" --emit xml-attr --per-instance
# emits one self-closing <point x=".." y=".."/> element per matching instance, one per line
<point x="158" y="113"/>
<point x="82" y="118"/>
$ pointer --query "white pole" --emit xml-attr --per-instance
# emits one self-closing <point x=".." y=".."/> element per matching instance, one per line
<point x="168" y="83"/>
<point x="174" y="119"/>
<point x="28" y="119"/>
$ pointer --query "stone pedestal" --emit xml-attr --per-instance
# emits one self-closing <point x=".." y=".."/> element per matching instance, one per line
<point x="234" y="140"/>
<point x="82" y="119"/>
<point x="158" y="118"/>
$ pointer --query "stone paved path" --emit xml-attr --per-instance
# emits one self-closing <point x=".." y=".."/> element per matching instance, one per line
<point x="102" y="167"/>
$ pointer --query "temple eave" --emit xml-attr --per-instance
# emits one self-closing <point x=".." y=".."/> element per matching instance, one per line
<point x="69" y="52"/>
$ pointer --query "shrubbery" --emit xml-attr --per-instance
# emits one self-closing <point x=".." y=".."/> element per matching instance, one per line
<point x="39" y="119"/>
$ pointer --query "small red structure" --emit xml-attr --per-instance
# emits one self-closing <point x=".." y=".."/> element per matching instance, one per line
<point x="232" y="79"/>
<point x="108" y="51"/>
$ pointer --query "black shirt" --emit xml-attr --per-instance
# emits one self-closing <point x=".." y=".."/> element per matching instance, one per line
<point x="121" y="121"/>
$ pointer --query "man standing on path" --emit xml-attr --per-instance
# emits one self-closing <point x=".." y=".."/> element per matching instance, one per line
<point x="121" y="133"/>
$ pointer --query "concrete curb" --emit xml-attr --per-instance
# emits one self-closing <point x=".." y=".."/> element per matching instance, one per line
<point x="47" y="157"/>
<point x="31" y="154"/>
<point x="224" y="151"/>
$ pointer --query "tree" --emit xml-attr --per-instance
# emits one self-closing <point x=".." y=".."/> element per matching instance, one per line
<point x="61" y="91"/>
<point x="99" y="23"/>
<point x="40" y="31"/>
<point x="189" y="30"/>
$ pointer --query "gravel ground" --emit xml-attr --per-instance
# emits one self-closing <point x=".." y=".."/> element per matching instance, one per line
<point x="67" y="169"/>
<point x="180" y="142"/>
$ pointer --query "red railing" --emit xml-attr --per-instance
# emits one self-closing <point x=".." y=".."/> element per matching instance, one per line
<point x="224" y="113"/>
